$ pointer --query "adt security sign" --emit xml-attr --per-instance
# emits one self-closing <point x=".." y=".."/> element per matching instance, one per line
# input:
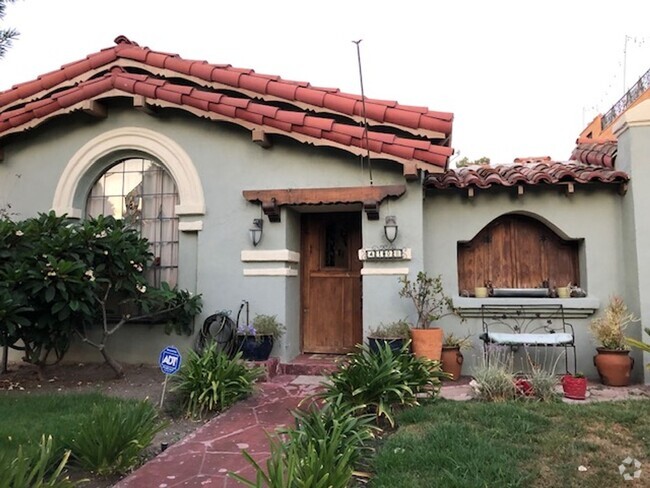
<point x="170" y="360"/>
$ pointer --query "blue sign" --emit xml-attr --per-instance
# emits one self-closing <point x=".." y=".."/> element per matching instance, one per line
<point x="170" y="360"/>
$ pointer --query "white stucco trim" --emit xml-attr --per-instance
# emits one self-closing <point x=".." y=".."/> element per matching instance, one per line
<point x="271" y="272"/>
<point x="637" y="116"/>
<point x="169" y="153"/>
<point x="276" y="255"/>
<point x="190" y="225"/>
<point x="384" y="271"/>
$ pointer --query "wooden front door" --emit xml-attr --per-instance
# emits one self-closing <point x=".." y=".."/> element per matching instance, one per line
<point x="331" y="282"/>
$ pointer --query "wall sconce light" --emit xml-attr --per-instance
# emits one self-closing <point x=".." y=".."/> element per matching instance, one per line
<point x="256" y="231"/>
<point x="390" y="228"/>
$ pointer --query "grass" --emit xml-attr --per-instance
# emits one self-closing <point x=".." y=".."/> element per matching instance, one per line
<point x="25" y="418"/>
<point x="514" y="444"/>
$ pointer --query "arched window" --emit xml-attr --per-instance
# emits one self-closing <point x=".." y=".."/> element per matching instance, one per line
<point x="516" y="251"/>
<point x="142" y="193"/>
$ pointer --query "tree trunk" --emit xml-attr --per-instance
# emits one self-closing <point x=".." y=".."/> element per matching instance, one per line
<point x="117" y="367"/>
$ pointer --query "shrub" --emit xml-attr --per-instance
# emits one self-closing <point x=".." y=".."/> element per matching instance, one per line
<point x="400" y="329"/>
<point x="382" y="380"/>
<point x="25" y="471"/>
<point x="609" y="330"/>
<point x="494" y="381"/>
<point x="111" y="440"/>
<point x="210" y="381"/>
<point x="321" y="450"/>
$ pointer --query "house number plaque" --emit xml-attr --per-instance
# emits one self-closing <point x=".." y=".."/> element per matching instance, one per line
<point x="384" y="254"/>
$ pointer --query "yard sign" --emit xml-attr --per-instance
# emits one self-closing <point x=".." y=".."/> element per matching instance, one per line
<point x="170" y="360"/>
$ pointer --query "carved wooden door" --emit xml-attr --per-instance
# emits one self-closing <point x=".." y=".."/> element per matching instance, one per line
<point x="331" y="282"/>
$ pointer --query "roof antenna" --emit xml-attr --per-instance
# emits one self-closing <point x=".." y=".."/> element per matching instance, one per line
<point x="363" y="108"/>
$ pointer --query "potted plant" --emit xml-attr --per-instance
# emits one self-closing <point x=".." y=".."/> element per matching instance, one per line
<point x="451" y="356"/>
<point x="394" y="333"/>
<point x="256" y="339"/>
<point x="612" y="361"/>
<point x="431" y="304"/>
<point x="574" y="386"/>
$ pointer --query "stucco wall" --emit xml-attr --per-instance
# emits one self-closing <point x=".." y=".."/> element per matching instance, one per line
<point x="633" y="131"/>
<point x="210" y="260"/>
<point x="592" y="215"/>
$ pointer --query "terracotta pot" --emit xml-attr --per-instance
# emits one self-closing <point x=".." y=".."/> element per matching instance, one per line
<point x="452" y="361"/>
<point x="614" y="367"/>
<point x="427" y="343"/>
<point x="574" y="387"/>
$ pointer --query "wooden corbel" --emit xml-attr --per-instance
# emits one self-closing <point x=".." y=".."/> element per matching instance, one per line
<point x="371" y="207"/>
<point x="520" y="190"/>
<point x="271" y="210"/>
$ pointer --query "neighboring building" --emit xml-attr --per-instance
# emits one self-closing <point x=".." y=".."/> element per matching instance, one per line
<point x="166" y="142"/>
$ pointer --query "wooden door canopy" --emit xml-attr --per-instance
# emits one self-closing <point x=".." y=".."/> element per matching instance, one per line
<point x="370" y="196"/>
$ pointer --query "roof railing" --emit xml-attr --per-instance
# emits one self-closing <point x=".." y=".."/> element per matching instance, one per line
<point x="628" y="99"/>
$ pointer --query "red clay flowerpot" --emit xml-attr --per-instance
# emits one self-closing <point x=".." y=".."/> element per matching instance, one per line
<point x="574" y="387"/>
<point x="452" y="361"/>
<point x="614" y="366"/>
<point x="427" y="342"/>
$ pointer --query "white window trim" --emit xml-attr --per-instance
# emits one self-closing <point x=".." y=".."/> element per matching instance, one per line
<point x="166" y="151"/>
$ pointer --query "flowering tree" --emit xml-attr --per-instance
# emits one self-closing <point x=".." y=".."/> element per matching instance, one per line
<point x="63" y="278"/>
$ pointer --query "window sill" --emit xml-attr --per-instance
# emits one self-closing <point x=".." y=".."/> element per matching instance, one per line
<point x="573" y="307"/>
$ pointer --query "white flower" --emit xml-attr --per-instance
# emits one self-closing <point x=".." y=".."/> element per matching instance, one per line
<point x="141" y="288"/>
<point x="138" y="267"/>
<point x="90" y="274"/>
<point x="101" y="235"/>
<point x="106" y="253"/>
<point x="20" y="233"/>
<point x="51" y="273"/>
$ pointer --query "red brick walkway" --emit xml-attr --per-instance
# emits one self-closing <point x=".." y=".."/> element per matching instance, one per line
<point x="204" y="458"/>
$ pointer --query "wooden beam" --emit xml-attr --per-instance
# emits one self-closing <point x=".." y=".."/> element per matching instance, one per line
<point x="140" y="103"/>
<point x="94" y="108"/>
<point x="260" y="138"/>
<point x="520" y="190"/>
<point x="570" y="188"/>
<point x="369" y="196"/>
<point x="470" y="192"/>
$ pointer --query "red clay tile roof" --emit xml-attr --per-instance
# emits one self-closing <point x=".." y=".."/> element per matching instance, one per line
<point x="550" y="173"/>
<point x="597" y="152"/>
<point x="413" y="136"/>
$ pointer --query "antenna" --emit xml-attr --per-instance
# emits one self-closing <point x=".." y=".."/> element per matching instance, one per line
<point x="363" y="109"/>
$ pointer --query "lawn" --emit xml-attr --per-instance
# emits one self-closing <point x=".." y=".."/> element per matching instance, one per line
<point x="26" y="417"/>
<point x="515" y="444"/>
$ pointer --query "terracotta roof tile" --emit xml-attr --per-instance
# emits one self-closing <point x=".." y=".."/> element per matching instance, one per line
<point x="551" y="173"/>
<point x="597" y="152"/>
<point x="30" y="104"/>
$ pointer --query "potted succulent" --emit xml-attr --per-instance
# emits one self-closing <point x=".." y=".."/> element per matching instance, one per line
<point x="394" y="333"/>
<point x="574" y="386"/>
<point x="431" y="304"/>
<point x="612" y="361"/>
<point x="451" y="356"/>
<point x="256" y="339"/>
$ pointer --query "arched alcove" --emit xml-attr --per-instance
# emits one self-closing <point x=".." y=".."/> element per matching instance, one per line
<point x="517" y="251"/>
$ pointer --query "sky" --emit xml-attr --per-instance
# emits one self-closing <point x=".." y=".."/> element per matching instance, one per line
<point x="522" y="78"/>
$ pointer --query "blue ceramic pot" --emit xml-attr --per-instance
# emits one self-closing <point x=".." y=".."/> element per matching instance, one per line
<point x="255" y="348"/>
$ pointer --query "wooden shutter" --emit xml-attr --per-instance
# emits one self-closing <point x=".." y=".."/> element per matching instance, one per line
<point x="516" y="251"/>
